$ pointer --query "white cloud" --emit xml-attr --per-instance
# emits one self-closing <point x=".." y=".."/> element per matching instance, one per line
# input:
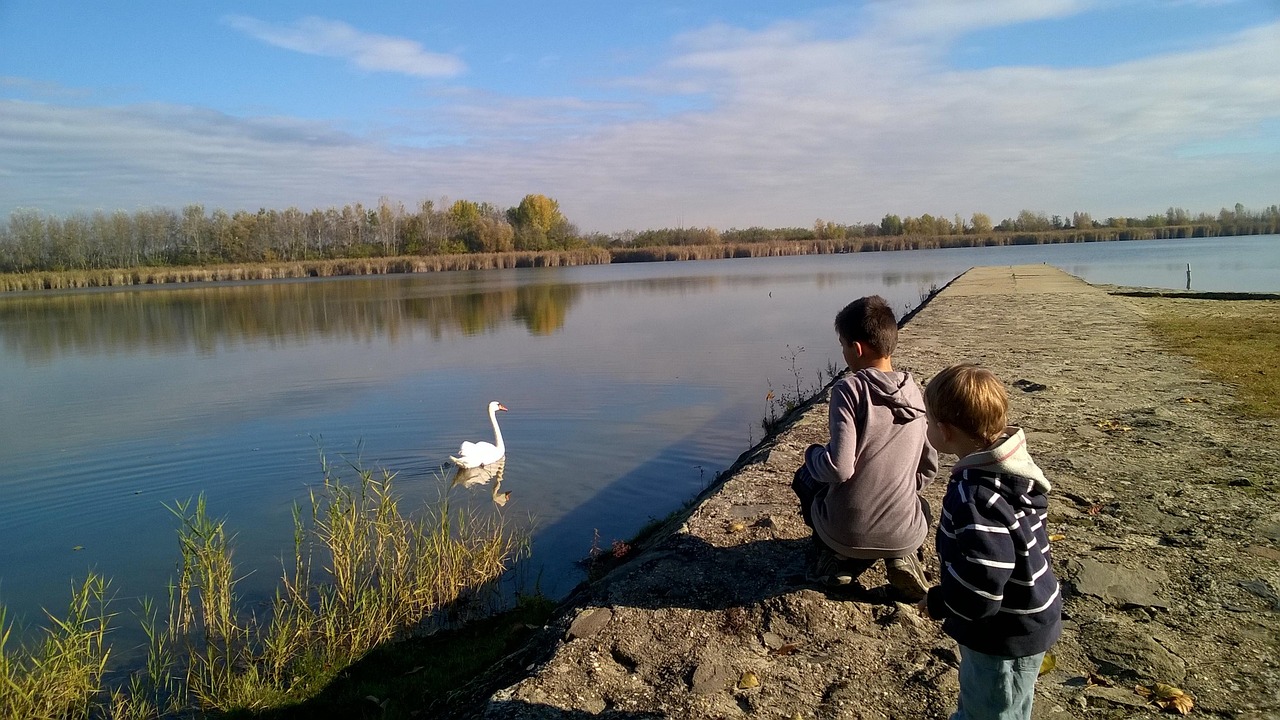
<point x="793" y="122"/>
<point x="331" y="38"/>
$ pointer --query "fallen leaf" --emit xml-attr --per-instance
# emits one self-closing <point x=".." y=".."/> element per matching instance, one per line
<point x="1056" y="537"/>
<point x="1112" y="425"/>
<point x="737" y="526"/>
<point x="1048" y="663"/>
<point x="1095" y="509"/>
<point x="788" y="649"/>
<point x="748" y="680"/>
<point x="1167" y="697"/>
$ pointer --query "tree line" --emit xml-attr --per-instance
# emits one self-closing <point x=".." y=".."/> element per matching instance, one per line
<point x="34" y="241"/>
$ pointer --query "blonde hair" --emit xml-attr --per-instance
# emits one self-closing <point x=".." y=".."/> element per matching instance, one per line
<point x="970" y="399"/>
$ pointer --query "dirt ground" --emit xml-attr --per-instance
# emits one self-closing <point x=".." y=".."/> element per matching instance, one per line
<point x="1164" y="514"/>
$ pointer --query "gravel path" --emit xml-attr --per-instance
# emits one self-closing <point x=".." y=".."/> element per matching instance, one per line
<point x="1164" y="511"/>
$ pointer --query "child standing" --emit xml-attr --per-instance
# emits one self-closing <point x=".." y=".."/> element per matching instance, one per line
<point x="860" y="492"/>
<point x="998" y="595"/>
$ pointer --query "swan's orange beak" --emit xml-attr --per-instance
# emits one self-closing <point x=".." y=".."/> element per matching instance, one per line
<point x="502" y="407"/>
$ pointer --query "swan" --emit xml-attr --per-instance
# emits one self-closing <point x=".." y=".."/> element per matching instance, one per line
<point x="475" y="455"/>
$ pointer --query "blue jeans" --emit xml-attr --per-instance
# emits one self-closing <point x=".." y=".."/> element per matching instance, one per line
<point x="993" y="687"/>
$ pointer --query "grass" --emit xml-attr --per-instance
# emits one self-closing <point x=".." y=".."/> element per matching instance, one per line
<point x="1237" y="341"/>
<point x="62" y="674"/>
<point x="363" y="575"/>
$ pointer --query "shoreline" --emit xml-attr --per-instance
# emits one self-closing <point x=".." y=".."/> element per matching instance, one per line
<point x="36" y="281"/>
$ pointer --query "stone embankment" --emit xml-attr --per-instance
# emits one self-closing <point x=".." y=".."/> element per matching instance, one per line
<point x="1164" y="512"/>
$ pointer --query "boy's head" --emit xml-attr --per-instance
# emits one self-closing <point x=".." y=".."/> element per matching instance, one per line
<point x="969" y="399"/>
<point x="868" y="331"/>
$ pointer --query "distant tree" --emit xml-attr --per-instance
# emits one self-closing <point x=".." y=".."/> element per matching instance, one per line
<point x="1029" y="221"/>
<point x="538" y="223"/>
<point x="980" y="223"/>
<point x="891" y="225"/>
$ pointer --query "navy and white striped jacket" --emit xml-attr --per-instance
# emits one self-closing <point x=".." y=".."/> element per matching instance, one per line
<point x="998" y="593"/>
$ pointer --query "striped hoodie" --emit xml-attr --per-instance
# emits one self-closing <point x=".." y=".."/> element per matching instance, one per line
<point x="998" y="594"/>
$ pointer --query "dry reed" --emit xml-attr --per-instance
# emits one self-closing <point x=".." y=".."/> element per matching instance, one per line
<point x="363" y="573"/>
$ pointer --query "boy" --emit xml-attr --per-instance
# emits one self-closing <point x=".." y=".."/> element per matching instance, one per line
<point x="998" y="596"/>
<point x="859" y="492"/>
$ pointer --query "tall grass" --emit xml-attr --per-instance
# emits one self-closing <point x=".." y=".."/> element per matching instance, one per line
<point x="362" y="573"/>
<point x="62" y="674"/>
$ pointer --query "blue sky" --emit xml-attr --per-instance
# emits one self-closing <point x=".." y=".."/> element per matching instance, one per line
<point x="648" y="114"/>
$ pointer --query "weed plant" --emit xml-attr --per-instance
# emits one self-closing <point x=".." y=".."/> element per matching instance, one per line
<point x="362" y="573"/>
<point x="795" y="393"/>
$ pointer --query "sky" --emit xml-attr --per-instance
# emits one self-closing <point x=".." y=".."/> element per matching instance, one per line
<point x="643" y="115"/>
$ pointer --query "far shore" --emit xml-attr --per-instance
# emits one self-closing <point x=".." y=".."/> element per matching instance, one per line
<point x="40" y="280"/>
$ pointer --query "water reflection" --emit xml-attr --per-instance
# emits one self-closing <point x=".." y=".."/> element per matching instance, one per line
<point x="205" y="319"/>
<point x="483" y="475"/>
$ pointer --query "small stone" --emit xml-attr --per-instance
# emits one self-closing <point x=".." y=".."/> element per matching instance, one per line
<point x="1263" y="552"/>
<point x="708" y="678"/>
<point x="589" y="623"/>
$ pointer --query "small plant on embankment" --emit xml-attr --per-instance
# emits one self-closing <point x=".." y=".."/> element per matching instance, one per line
<point x="363" y="573"/>
<point x="794" y="395"/>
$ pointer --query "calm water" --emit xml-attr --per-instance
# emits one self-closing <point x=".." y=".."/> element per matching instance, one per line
<point x="629" y="387"/>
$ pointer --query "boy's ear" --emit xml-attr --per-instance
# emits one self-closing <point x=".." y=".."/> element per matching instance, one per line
<point x="947" y="432"/>
<point x="858" y="348"/>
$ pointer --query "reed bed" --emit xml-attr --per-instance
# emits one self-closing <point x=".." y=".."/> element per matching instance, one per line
<point x="81" y="279"/>
<point x="363" y="573"/>
<point x="592" y="255"/>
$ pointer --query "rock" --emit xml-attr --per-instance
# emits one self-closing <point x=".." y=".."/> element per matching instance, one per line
<point x="1262" y="589"/>
<point x="710" y="677"/>
<point x="1119" y="585"/>
<point x="1263" y="552"/>
<point x="589" y="623"/>
<point x="1122" y="650"/>
<point x="1114" y="697"/>
<point x="772" y="640"/>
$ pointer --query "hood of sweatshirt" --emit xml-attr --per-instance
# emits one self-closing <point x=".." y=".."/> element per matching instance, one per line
<point x="1009" y="456"/>
<point x="895" y="391"/>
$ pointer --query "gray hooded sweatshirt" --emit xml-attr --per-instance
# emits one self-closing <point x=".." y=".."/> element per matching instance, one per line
<point x="876" y="463"/>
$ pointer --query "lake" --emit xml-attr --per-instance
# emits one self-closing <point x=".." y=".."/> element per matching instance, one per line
<point x="629" y="388"/>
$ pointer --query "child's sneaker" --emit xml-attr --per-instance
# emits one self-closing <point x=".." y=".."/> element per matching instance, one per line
<point x="906" y="575"/>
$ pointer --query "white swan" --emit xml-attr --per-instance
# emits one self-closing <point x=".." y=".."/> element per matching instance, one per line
<point x="475" y="455"/>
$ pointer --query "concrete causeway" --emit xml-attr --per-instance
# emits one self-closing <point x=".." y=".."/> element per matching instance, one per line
<point x="1166" y="530"/>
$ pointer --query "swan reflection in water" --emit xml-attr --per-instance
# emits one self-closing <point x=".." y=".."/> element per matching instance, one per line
<point x="483" y="475"/>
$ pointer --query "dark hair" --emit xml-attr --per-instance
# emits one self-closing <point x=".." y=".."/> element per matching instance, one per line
<point x="969" y="398"/>
<point x="870" y="321"/>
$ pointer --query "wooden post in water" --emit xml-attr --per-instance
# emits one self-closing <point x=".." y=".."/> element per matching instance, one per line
<point x="1188" y="276"/>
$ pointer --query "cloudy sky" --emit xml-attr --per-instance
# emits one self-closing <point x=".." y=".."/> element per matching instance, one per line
<point x="733" y="113"/>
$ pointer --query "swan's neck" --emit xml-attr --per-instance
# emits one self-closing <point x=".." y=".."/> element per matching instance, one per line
<point x="497" y="433"/>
